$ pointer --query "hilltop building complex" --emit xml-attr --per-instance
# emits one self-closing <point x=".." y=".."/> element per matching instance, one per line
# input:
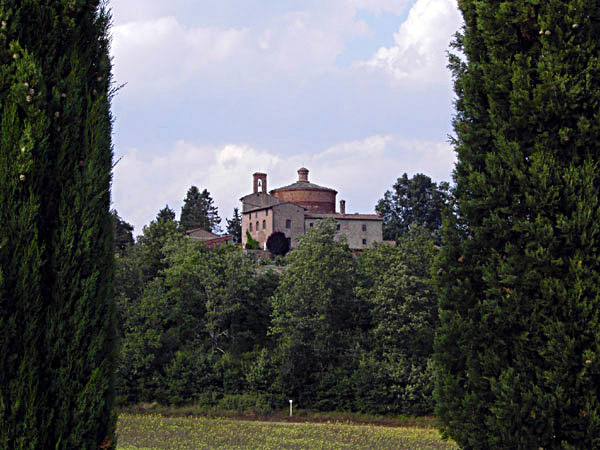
<point x="296" y="208"/>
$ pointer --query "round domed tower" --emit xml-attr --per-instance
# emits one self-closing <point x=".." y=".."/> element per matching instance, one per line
<point x="316" y="199"/>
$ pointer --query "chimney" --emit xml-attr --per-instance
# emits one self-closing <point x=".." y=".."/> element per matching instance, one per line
<point x="260" y="180"/>
<point x="342" y="206"/>
<point x="303" y="174"/>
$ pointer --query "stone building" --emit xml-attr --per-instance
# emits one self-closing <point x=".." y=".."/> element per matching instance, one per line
<point x="296" y="208"/>
<point x="211" y="240"/>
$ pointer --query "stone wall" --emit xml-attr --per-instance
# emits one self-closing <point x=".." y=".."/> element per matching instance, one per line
<point x="313" y="200"/>
<point x="264" y="219"/>
<point x="258" y="200"/>
<point x="352" y="228"/>
<point x="294" y="213"/>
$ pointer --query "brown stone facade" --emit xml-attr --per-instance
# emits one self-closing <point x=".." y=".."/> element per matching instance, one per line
<point x="313" y="200"/>
<point x="360" y="230"/>
<point x="295" y="215"/>
<point x="212" y="241"/>
<point x="261" y="223"/>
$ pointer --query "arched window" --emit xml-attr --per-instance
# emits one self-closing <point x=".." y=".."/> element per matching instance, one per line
<point x="257" y="227"/>
<point x="250" y="226"/>
<point x="264" y="224"/>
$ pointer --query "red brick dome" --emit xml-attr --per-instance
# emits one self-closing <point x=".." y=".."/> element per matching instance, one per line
<point x="314" y="198"/>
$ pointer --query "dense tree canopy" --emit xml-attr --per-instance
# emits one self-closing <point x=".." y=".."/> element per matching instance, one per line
<point x="314" y="312"/>
<point x="519" y="274"/>
<point x="152" y="241"/>
<point x="58" y="341"/>
<point x="415" y="201"/>
<point x="341" y="332"/>
<point x="396" y="284"/>
<point x="190" y="320"/>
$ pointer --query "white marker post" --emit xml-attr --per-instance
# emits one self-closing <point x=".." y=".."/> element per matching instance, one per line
<point x="291" y="401"/>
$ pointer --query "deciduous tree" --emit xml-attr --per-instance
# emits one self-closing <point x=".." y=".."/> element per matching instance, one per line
<point x="396" y="284"/>
<point x="314" y="317"/>
<point x="415" y="201"/>
<point x="278" y="243"/>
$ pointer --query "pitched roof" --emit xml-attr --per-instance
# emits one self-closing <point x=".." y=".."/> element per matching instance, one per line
<point x="344" y="216"/>
<point x="202" y="234"/>
<point x="303" y="186"/>
<point x="273" y="206"/>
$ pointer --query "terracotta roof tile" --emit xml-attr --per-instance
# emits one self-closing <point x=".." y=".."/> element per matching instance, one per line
<point x="343" y="216"/>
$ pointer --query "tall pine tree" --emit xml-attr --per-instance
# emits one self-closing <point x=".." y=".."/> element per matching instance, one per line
<point x="57" y="345"/>
<point x="234" y="226"/>
<point x="519" y="346"/>
<point x="198" y="211"/>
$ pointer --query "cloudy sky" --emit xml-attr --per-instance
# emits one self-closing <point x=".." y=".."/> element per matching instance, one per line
<point x="355" y="90"/>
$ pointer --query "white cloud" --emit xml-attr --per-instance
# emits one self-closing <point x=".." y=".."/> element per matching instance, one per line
<point x="159" y="54"/>
<point x="419" y="51"/>
<point x="361" y="171"/>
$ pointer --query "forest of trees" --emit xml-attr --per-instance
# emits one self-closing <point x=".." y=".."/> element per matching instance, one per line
<point x="332" y="330"/>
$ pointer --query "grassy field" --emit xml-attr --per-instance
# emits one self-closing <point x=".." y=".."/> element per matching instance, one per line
<point x="155" y="432"/>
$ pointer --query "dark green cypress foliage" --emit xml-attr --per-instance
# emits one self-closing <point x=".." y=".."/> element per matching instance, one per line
<point x="518" y="350"/>
<point x="57" y="344"/>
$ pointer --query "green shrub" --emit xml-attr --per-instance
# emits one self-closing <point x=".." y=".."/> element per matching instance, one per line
<point x="256" y="403"/>
<point x="251" y="243"/>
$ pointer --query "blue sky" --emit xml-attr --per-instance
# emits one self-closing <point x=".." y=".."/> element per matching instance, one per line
<point x="355" y="90"/>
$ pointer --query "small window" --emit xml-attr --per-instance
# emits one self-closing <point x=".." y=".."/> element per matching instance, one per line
<point x="288" y="223"/>
<point x="256" y="215"/>
<point x="250" y="226"/>
<point x="364" y="242"/>
<point x="338" y="227"/>
<point x="267" y="212"/>
<point x="257" y="227"/>
<point x="364" y="227"/>
<point x="310" y="224"/>
<point x="264" y="224"/>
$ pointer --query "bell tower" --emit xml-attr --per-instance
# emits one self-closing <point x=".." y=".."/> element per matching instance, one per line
<point x="260" y="182"/>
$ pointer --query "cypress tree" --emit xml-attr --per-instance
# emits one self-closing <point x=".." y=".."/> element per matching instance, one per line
<point x="518" y="349"/>
<point x="57" y="344"/>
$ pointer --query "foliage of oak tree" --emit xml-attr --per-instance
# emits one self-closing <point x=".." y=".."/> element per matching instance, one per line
<point x="415" y="201"/>
<point x="314" y="312"/>
<point x="396" y="286"/>
<point x="191" y="328"/>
